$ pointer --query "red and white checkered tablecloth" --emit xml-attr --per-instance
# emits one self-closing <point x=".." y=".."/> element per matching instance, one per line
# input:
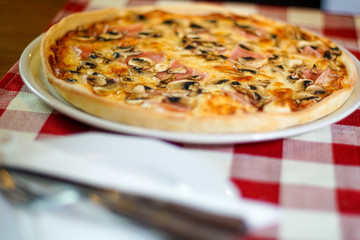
<point x="314" y="178"/>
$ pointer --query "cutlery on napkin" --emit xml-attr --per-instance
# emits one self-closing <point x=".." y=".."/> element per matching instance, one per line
<point x="159" y="182"/>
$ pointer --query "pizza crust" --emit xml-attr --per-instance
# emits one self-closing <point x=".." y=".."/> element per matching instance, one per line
<point x="84" y="99"/>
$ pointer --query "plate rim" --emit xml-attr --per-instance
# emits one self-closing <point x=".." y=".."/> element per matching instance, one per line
<point x="71" y="111"/>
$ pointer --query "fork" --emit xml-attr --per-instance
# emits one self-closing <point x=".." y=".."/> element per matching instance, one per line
<point x="24" y="191"/>
<point x="30" y="189"/>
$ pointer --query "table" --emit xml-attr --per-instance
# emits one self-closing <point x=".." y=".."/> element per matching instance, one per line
<point x="15" y="34"/>
<point x="314" y="178"/>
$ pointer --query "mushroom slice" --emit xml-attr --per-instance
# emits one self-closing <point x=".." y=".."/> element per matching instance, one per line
<point x="125" y="49"/>
<point x="149" y="33"/>
<point x="163" y="66"/>
<point x="93" y="60"/>
<point x="179" y="98"/>
<point x="141" y="63"/>
<point x="107" y="89"/>
<point x="261" y="100"/>
<point x="193" y="77"/>
<point x="111" y="35"/>
<point x="252" y="63"/>
<point x="242" y="89"/>
<point x="277" y="68"/>
<point x="276" y="58"/>
<point x="96" y="79"/>
<point x="294" y="63"/>
<point x="96" y="54"/>
<point x="99" y="57"/>
<point x="163" y="82"/>
<point x="314" y="69"/>
<point x="183" y="85"/>
<point x="218" y="84"/>
<point x="256" y="94"/>
<point x="177" y="70"/>
<point x="85" y="38"/>
<point x="301" y="96"/>
<point x="169" y="22"/>
<point x="125" y="55"/>
<point x="217" y="81"/>
<point x="303" y="43"/>
<point x="294" y="32"/>
<point x="138" y="93"/>
<point x="247" y="70"/>
<point x="125" y="52"/>
<point x="210" y="45"/>
<point x="192" y="36"/>
<point x="195" y="25"/>
<point x="315" y="89"/>
<point x="263" y="82"/>
<point x="259" y="89"/>
<point x="302" y="84"/>
<point x="173" y="99"/>
<point x="296" y="75"/>
<point x="211" y="56"/>
<point x="332" y="52"/>
<point x="88" y="64"/>
<point x="139" y="89"/>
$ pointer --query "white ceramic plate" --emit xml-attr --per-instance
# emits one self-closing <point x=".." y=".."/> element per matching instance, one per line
<point x="32" y="74"/>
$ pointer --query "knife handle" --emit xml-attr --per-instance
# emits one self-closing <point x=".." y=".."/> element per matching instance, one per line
<point x="179" y="221"/>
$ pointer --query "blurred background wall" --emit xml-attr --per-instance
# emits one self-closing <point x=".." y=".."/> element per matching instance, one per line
<point x="341" y="6"/>
<point x="337" y="6"/>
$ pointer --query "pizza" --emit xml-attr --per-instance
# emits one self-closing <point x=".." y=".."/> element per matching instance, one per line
<point x="195" y="68"/>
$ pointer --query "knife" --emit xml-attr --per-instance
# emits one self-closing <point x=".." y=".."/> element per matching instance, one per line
<point x="175" y="220"/>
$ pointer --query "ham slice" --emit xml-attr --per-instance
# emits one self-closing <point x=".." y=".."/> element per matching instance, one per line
<point x="239" y="97"/>
<point x="321" y="77"/>
<point x="84" y="51"/>
<point x="311" y="52"/>
<point x="241" y="52"/>
<point x="252" y="34"/>
<point x="155" y="56"/>
<point x="309" y="75"/>
<point x="131" y="30"/>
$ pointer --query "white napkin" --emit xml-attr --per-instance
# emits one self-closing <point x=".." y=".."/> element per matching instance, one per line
<point x="135" y="165"/>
